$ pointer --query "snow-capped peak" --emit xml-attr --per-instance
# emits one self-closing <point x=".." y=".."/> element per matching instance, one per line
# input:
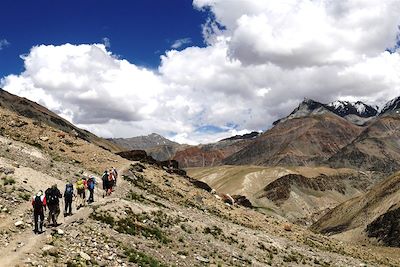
<point x="391" y="105"/>
<point x="336" y="104"/>
<point x="344" y="108"/>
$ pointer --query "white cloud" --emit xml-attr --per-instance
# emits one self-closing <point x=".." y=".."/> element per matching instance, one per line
<point x="106" y="42"/>
<point x="181" y="42"/>
<point x="4" y="43"/>
<point x="261" y="59"/>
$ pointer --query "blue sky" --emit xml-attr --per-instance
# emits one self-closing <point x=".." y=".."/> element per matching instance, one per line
<point x="139" y="31"/>
<point x="238" y="67"/>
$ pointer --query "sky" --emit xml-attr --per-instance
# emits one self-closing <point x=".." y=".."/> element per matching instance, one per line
<point x="196" y="71"/>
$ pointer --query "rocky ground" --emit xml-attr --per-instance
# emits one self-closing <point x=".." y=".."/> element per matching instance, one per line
<point x="153" y="218"/>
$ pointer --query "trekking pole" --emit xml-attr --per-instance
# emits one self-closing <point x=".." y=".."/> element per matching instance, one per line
<point x="62" y="208"/>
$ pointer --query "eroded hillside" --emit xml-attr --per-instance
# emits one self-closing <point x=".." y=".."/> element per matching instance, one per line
<point x="153" y="218"/>
<point x="304" y="141"/>
<point x="300" y="194"/>
<point x="369" y="218"/>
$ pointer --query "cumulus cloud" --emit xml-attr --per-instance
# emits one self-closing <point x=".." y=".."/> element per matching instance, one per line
<point x="262" y="58"/>
<point x="4" y="43"/>
<point x="181" y="42"/>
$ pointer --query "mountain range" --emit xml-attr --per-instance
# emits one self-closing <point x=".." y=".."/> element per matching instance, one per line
<point x="160" y="215"/>
<point x="157" y="146"/>
<point x="337" y="134"/>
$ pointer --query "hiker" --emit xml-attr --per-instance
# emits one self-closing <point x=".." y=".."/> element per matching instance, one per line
<point x="53" y="196"/>
<point x="39" y="208"/>
<point x="90" y="185"/>
<point x="110" y="182"/>
<point x="68" y="197"/>
<point x="81" y="188"/>
<point x="115" y="173"/>
<point x="104" y="179"/>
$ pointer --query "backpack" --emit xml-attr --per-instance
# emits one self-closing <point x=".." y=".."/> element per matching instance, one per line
<point x="90" y="184"/>
<point x="37" y="203"/>
<point x="80" y="185"/>
<point x="51" y="196"/>
<point x="111" y="177"/>
<point x="69" y="190"/>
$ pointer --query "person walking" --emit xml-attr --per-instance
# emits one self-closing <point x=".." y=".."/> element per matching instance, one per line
<point x="115" y="174"/>
<point x="39" y="208"/>
<point x="104" y="179"/>
<point x="110" y="182"/>
<point x="53" y="196"/>
<point x="81" y="188"/>
<point x="68" y="197"/>
<point x="91" y="183"/>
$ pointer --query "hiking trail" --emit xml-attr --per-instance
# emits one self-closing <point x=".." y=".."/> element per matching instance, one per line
<point x="25" y="241"/>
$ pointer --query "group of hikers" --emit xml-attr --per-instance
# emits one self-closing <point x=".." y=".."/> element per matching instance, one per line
<point x="50" y="199"/>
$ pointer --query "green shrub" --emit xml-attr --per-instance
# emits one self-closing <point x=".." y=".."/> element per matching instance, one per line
<point x="214" y="230"/>
<point x="9" y="181"/>
<point x="24" y="196"/>
<point x="105" y="218"/>
<point x="142" y="259"/>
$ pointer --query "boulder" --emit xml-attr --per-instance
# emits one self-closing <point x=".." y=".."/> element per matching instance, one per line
<point x="84" y="256"/>
<point x="60" y="232"/>
<point x="6" y="170"/>
<point x="287" y="227"/>
<point x="44" y="138"/>
<point x="19" y="224"/>
<point x="49" y="249"/>
<point x="242" y="201"/>
<point x="202" y="259"/>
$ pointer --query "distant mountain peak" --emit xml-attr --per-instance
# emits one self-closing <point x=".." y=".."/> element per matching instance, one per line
<point x="144" y="142"/>
<point x="345" y="108"/>
<point x="306" y="108"/>
<point x="392" y="105"/>
<point x="356" y="112"/>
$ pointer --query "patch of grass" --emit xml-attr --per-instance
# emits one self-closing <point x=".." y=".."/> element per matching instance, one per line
<point x="135" y="196"/>
<point x="35" y="144"/>
<point x="142" y="259"/>
<point x="24" y="196"/>
<point x="143" y="183"/>
<point x="132" y="225"/>
<point x="293" y="257"/>
<point x="104" y="218"/>
<point x="142" y="199"/>
<point x="163" y="220"/>
<point x="9" y="181"/>
<point x="186" y="229"/>
<point x="214" y="230"/>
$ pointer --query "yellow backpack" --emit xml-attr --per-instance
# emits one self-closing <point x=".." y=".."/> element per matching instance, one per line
<point x="80" y="185"/>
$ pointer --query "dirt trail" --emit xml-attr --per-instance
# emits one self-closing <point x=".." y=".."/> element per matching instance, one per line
<point x="26" y="242"/>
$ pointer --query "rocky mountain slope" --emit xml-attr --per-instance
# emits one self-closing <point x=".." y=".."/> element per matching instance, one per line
<point x="157" y="146"/>
<point x="393" y="106"/>
<point x="377" y="148"/>
<point x="153" y="218"/>
<point x="357" y="113"/>
<point x="370" y="218"/>
<point x="42" y="115"/>
<point x="298" y="141"/>
<point x="213" y="154"/>
<point x="143" y="142"/>
<point x="300" y="194"/>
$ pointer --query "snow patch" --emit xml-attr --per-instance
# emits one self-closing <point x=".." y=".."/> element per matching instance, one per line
<point x="360" y="107"/>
